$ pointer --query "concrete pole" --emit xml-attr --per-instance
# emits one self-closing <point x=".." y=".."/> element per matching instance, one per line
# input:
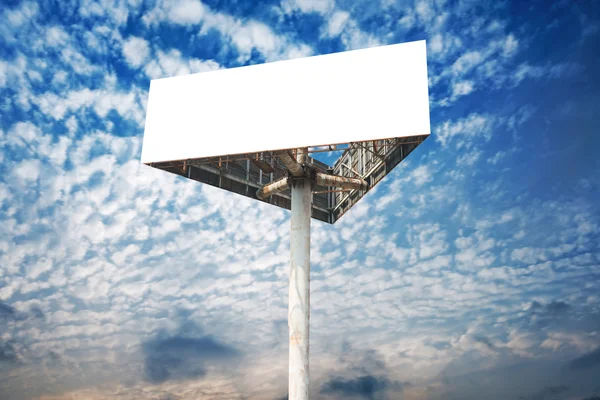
<point x="299" y="296"/>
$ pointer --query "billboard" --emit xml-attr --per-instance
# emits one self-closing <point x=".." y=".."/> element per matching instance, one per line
<point x="226" y="127"/>
<point x="359" y="95"/>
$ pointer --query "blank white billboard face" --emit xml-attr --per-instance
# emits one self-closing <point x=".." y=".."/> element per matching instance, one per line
<point x="353" y="96"/>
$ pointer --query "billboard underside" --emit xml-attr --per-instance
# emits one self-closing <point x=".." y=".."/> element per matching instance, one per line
<point x="246" y="173"/>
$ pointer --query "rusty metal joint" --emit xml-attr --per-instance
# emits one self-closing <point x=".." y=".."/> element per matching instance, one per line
<point x="288" y="159"/>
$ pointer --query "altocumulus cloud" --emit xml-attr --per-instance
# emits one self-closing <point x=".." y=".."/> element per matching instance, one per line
<point x="474" y="263"/>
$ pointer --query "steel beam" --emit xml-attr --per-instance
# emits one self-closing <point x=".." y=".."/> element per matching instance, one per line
<point x="264" y="167"/>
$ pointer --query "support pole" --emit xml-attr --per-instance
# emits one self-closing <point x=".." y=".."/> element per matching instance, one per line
<point x="299" y="289"/>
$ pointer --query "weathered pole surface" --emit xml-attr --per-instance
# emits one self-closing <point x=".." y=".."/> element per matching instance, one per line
<point x="299" y="289"/>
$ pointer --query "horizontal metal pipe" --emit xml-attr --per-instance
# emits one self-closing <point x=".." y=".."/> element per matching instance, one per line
<point x="341" y="182"/>
<point x="273" y="188"/>
<point x="291" y="164"/>
<point x="216" y="171"/>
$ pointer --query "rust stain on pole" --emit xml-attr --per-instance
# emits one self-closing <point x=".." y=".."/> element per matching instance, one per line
<point x="295" y="338"/>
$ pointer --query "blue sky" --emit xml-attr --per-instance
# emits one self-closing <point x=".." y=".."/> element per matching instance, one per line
<point x="472" y="271"/>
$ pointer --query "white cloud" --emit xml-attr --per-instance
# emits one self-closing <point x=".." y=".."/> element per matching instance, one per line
<point x="186" y="12"/>
<point x="496" y="158"/>
<point x="464" y="130"/>
<point x="420" y="175"/>
<point x="436" y="44"/>
<point x="298" y="51"/>
<point x="468" y="159"/>
<point x="408" y="20"/>
<point x="71" y="125"/>
<point x="528" y="255"/>
<point x="117" y="11"/>
<point x="354" y="38"/>
<point x="120" y="257"/>
<point x="26" y="12"/>
<point x="24" y="133"/>
<point x="28" y="171"/>
<point x="466" y="63"/>
<point x="136" y="50"/>
<point x="59" y="78"/>
<point x="254" y="35"/>
<point x="3" y="73"/>
<point x="56" y="107"/>
<point x="181" y="12"/>
<point x="246" y="35"/>
<point x="123" y="103"/>
<point x="431" y="240"/>
<point x="335" y="24"/>
<point x="127" y="104"/>
<point x="173" y="64"/>
<point x="58" y="152"/>
<point x="7" y="290"/>
<point x="424" y="11"/>
<point x="527" y="71"/>
<point x="510" y="46"/>
<point x="481" y="66"/>
<point x="522" y="343"/>
<point x="13" y="73"/>
<point x="308" y="6"/>
<point x="41" y="266"/>
<point x="461" y="88"/>
<point x="470" y="259"/>
<point x="80" y="64"/>
<point x="56" y="36"/>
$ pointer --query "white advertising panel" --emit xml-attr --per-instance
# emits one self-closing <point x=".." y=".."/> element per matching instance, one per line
<point x="352" y="96"/>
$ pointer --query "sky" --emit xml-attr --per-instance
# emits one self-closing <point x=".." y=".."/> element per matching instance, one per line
<point x="471" y="271"/>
